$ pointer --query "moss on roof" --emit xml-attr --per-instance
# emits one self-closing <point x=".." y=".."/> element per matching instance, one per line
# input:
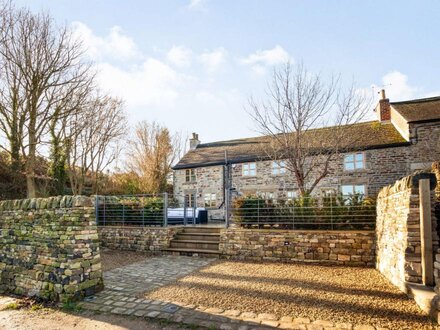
<point x="426" y="109"/>
<point x="374" y="135"/>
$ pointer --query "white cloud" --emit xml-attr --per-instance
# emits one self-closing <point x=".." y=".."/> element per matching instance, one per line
<point x="151" y="84"/>
<point x="214" y="59"/>
<point x="180" y="56"/>
<point x="197" y="5"/>
<point x="264" y="58"/>
<point x="397" y="86"/>
<point x="115" y="45"/>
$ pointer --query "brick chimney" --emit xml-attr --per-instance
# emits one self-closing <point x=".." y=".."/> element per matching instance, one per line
<point x="383" y="108"/>
<point x="194" y="141"/>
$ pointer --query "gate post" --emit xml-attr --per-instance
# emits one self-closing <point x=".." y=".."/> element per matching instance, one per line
<point x="426" y="232"/>
<point x="165" y="209"/>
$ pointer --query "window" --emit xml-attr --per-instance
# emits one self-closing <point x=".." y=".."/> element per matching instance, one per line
<point x="291" y="195"/>
<point x="190" y="200"/>
<point x="190" y="175"/>
<point x="354" y="161"/>
<point x="210" y="200"/>
<point x="353" y="189"/>
<point x="249" y="169"/>
<point x="278" y="167"/>
<point x="266" y="195"/>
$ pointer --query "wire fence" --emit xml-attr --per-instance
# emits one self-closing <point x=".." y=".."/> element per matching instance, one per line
<point x="158" y="210"/>
<point x="331" y="213"/>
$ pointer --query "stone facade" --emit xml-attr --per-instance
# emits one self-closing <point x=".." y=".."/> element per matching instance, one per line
<point x="145" y="239"/>
<point x="351" y="248"/>
<point x="398" y="232"/>
<point x="49" y="248"/>
<point x="382" y="167"/>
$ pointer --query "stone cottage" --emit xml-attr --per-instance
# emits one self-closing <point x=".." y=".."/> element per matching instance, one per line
<point x="404" y="138"/>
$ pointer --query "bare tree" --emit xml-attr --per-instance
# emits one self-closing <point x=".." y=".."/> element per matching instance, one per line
<point x="152" y="151"/>
<point x="300" y="103"/>
<point x="41" y="67"/>
<point x="94" y="134"/>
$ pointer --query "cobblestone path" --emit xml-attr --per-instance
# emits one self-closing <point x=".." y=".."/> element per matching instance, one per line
<point x="124" y="287"/>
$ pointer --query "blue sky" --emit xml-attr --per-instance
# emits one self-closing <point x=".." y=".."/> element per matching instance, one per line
<point x="192" y="65"/>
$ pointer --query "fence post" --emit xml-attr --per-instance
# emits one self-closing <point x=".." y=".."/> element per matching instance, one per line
<point x="226" y="207"/>
<point x="426" y="232"/>
<point x="165" y="209"/>
<point x="104" y="212"/>
<point x="123" y="214"/>
<point x="331" y="211"/>
<point x="97" y="209"/>
<point x="184" y="210"/>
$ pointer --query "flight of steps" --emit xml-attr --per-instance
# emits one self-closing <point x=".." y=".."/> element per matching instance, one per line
<point x="202" y="241"/>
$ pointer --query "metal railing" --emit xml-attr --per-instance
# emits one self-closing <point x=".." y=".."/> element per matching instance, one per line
<point x="159" y="210"/>
<point x="331" y="213"/>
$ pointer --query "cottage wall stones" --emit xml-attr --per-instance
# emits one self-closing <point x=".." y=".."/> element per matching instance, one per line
<point x="398" y="232"/>
<point x="49" y="248"/>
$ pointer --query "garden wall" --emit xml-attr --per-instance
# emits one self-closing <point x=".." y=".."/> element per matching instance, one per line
<point x="354" y="248"/>
<point x="146" y="239"/>
<point x="49" y="248"/>
<point x="398" y="230"/>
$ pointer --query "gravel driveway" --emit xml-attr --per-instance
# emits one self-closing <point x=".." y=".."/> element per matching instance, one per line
<point x="336" y="294"/>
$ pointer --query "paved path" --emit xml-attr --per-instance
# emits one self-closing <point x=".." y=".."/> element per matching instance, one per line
<point x="124" y="287"/>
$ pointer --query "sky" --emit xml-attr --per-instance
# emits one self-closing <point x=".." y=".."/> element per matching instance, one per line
<point x="192" y="65"/>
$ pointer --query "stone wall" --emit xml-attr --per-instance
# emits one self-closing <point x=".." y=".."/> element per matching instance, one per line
<point x="49" y="248"/>
<point x="351" y="248"/>
<point x="145" y="239"/>
<point x="398" y="231"/>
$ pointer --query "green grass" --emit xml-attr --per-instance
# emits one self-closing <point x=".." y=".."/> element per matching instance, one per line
<point x="11" y="306"/>
<point x="71" y="307"/>
<point x="36" y="307"/>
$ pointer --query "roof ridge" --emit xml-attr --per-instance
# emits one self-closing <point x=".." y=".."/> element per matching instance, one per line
<point x="421" y="100"/>
<point x="210" y="144"/>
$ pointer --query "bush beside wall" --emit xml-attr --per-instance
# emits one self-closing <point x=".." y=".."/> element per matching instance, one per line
<point x="49" y="248"/>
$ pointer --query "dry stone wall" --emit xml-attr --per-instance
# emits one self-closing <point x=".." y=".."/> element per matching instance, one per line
<point x="49" y="248"/>
<point x="398" y="231"/>
<point x="144" y="239"/>
<point x="351" y="248"/>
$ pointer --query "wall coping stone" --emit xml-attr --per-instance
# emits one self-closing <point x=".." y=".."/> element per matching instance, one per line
<point x="408" y="182"/>
<point x="55" y="202"/>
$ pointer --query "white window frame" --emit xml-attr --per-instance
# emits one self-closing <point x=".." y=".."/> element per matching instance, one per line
<point x="354" y="162"/>
<point x="191" y="177"/>
<point x="190" y="199"/>
<point x="291" y="195"/>
<point x="247" y="169"/>
<point x="210" y="200"/>
<point x="278" y="167"/>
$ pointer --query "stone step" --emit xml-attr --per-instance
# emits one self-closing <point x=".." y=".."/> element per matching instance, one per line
<point x="191" y="244"/>
<point x="425" y="297"/>
<point x="190" y="252"/>
<point x="212" y="230"/>
<point x="197" y="237"/>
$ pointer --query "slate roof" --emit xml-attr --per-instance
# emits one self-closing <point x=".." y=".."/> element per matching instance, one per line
<point x="374" y="135"/>
<point x="427" y="109"/>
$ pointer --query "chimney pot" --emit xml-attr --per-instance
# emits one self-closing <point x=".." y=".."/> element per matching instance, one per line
<point x="383" y="108"/>
<point x="194" y="141"/>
